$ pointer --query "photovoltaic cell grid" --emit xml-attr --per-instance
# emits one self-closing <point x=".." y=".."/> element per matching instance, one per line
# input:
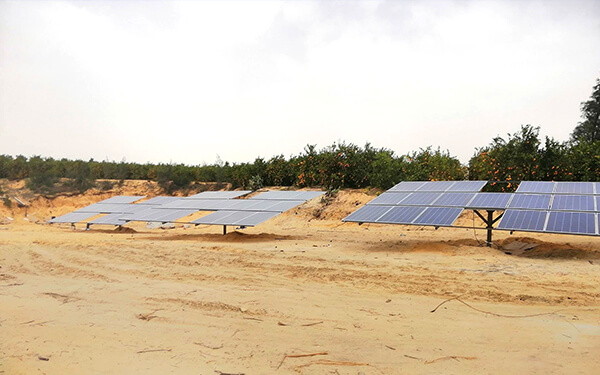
<point x="73" y="217"/>
<point x="436" y="203"/>
<point x="559" y="187"/>
<point x="410" y="215"/>
<point x="550" y="221"/>
<point x="439" y="186"/>
<point x="235" y="218"/>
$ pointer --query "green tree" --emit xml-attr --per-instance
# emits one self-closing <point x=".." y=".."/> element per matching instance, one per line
<point x="588" y="130"/>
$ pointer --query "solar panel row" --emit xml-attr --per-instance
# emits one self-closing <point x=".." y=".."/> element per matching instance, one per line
<point x="492" y="201"/>
<point x="246" y="212"/>
<point x="416" y="215"/>
<point x="559" y="187"/>
<point x="235" y="218"/>
<point x="550" y="221"/>
<point x="439" y="186"/>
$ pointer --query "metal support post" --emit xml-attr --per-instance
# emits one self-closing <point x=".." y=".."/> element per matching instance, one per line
<point x="489" y="222"/>
<point x="224" y="229"/>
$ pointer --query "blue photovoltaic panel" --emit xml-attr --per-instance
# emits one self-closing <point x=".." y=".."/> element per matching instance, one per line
<point x="367" y="214"/>
<point x="523" y="220"/>
<point x="436" y="186"/>
<point x="573" y="203"/>
<point x="281" y="206"/>
<point x="110" y="219"/>
<point x="454" y="199"/>
<point x="541" y="187"/>
<point x="170" y="216"/>
<point x="219" y="194"/>
<point x="467" y="186"/>
<point x="597" y="188"/>
<point x="160" y="200"/>
<point x="572" y="222"/>
<point x="243" y="218"/>
<point x="409" y="186"/>
<point x="213" y="217"/>
<point x="574" y="188"/>
<point x="530" y="201"/>
<point x="109" y="208"/>
<point x="439" y="216"/>
<point x="159" y="215"/>
<point x="597" y="203"/>
<point x="73" y="217"/>
<point x="420" y="199"/>
<point x="389" y="199"/>
<point x="120" y="199"/>
<point x="400" y="215"/>
<point x="490" y="201"/>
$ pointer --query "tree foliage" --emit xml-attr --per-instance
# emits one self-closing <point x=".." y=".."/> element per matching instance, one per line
<point x="588" y="130"/>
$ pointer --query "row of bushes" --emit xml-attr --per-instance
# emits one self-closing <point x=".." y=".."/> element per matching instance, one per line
<point x="521" y="156"/>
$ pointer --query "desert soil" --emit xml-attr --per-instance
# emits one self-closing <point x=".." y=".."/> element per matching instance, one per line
<point x="298" y="294"/>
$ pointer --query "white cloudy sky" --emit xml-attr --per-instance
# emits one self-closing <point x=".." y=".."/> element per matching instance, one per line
<point x="187" y="81"/>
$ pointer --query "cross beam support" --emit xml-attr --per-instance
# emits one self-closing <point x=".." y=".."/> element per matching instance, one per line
<point x="489" y="221"/>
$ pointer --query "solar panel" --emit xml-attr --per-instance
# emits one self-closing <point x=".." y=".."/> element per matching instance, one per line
<point x="439" y="216"/>
<point x="110" y="219"/>
<point x="490" y="201"/>
<point x="109" y="208"/>
<point x="280" y="206"/>
<point x="454" y="199"/>
<point x="542" y="187"/>
<point x="420" y="199"/>
<point x="572" y="222"/>
<point x="523" y="220"/>
<point x="160" y="200"/>
<point x="597" y="188"/>
<point x="159" y="215"/>
<point x="401" y="215"/>
<point x="436" y="186"/>
<point x="242" y="218"/>
<point x="467" y="186"/>
<point x="219" y="194"/>
<point x="196" y="204"/>
<point x="73" y="217"/>
<point x="389" y="199"/>
<point x="121" y="199"/>
<point x="530" y="201"/>
<point x="409" y="186"/>
<point x="367" y="214"/>
<point x="573" y="203"/>
<point x="574" y="188"/>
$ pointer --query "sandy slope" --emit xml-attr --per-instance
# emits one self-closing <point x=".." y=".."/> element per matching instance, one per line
<point x="190" y="301"/>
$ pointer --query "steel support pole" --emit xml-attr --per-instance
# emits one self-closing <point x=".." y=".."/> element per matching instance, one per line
<point x="224" y="229"/>
<point x="489" y="222"/>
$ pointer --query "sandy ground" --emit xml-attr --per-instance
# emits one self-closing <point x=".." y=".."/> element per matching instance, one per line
<point x="296" y="295"/>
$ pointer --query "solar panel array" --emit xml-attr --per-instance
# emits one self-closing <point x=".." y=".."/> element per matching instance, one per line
<point x="538" y="206"/>
<point x="435" y="203"/>
<point x="230" y="211"/>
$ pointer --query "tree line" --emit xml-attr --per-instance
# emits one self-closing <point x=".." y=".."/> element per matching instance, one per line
<point x="522" y="155"/>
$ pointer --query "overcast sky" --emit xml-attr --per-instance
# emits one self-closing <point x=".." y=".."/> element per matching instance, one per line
<point x="183" y="82"/>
